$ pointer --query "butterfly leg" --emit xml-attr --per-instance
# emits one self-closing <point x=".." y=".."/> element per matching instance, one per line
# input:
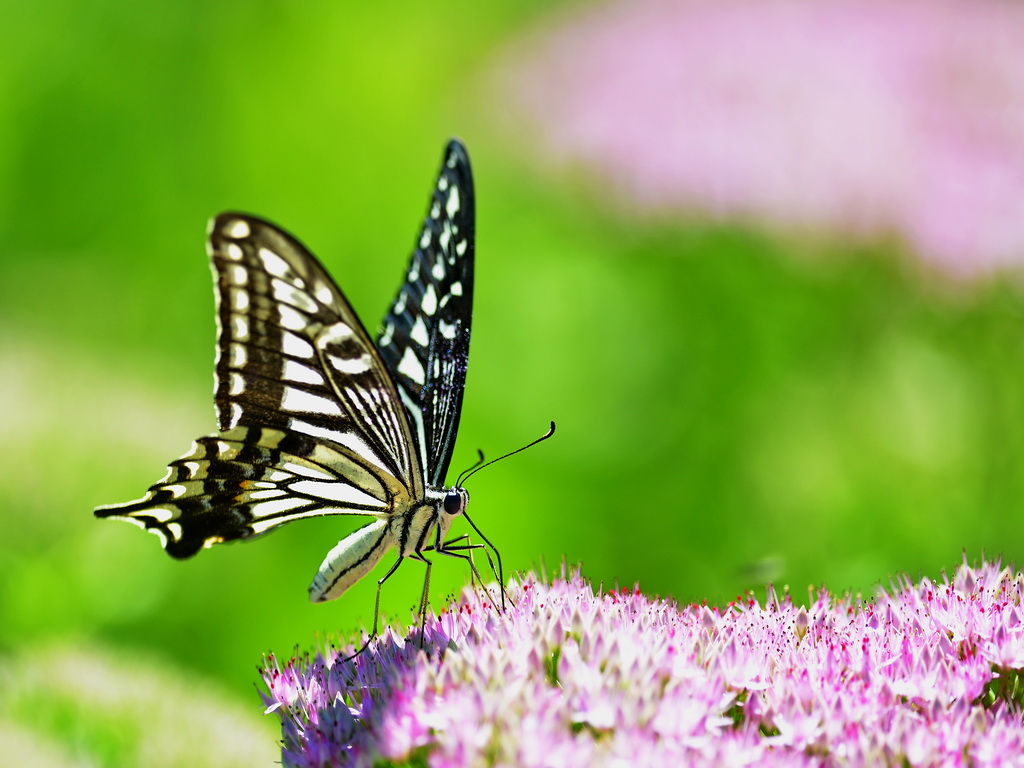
<point x="497" y="555"/>
<point x="464" y="552"/>
<point x="380" y="584"/>
<point x="376" y="609"/>
<point x="452" y="548"/>
<point x="425" y="597"/>
<point x="449" y="547"/>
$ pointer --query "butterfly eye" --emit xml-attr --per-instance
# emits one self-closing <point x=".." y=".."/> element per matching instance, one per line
<point x="453" y="503"/>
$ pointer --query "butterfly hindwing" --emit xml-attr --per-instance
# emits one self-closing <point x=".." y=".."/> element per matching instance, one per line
<point x="424" y="339"/>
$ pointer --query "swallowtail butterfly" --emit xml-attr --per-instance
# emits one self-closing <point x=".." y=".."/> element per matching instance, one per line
<point x="317" y="419"/>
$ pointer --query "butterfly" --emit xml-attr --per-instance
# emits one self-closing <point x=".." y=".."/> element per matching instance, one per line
<point x="316" y="418"/>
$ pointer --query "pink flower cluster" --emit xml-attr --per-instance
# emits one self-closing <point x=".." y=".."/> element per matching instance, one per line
<point x="926" y="674"/>
<point x="872" y="117"/>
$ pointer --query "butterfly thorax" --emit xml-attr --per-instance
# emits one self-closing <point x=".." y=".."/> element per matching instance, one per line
<point x="415" y="527"/>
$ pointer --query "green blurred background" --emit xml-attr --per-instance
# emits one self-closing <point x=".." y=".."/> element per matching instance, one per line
<point x="733" y="406"/>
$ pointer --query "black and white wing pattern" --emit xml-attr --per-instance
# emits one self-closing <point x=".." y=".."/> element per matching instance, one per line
<point x="292" y="354"/>
<point x="314" y="417"/>
<point x="425" y="335"/>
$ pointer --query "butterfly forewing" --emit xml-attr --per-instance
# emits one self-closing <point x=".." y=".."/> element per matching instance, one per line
<point x="292" y="354"/>
<point x="424" y="338"/>
<point x="311" y="420"/>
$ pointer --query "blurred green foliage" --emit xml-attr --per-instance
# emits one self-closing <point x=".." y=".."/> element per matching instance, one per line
<point x="733" y="406"/>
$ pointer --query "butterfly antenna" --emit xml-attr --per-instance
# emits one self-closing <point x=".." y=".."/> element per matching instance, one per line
<point x="469" y="471"/>
<point x="478" y="466"/>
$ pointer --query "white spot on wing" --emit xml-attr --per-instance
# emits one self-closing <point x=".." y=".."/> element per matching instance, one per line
<point x="314" y="431"/>
<point x="447" y="329"/>
<point x="350" y="365"/>
<point x="456" y="288"/>
<point x="460" y="247"/>
<point x="296" y="346"/>
<point x="336" y="491"/>
<point x="163" y="514"/>
<point x="452" y="206"/>
<point x="236" y="228"/>
<point x="237" y="384"/>
<point x="277" y="506"/>
<point x="239" y="355"/>
<point x="291" y="318"/>
<point x="324" y="293"/>
<point x="411" y="366"/>
<point x="273" y="263"/>
<point x="239" y="300"/>
<point x="237" y="274"/>
<point x="286" y="292"/>
<point x="236" y="415"/>
<point x="429" y="302"/>
<point x="331" y="341"/>
<point x="302" y="374"/>
<point x="332" y="333"/>
<point x="239" y="328"/>
<point x="438" y="269"/>
<point x="233" y="251"/>
<point x="419" y="332"/>
<point x="297" y="400"/>
<point x="261" y="495"/>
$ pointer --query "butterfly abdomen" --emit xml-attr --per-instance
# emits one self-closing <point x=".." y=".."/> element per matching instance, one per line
<point x="416" y="529"/>
<point x="351" y="559"/>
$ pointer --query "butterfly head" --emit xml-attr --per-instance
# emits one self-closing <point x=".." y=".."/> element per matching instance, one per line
<point x="455" y="502"/>
<point x="447" y="504"/>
